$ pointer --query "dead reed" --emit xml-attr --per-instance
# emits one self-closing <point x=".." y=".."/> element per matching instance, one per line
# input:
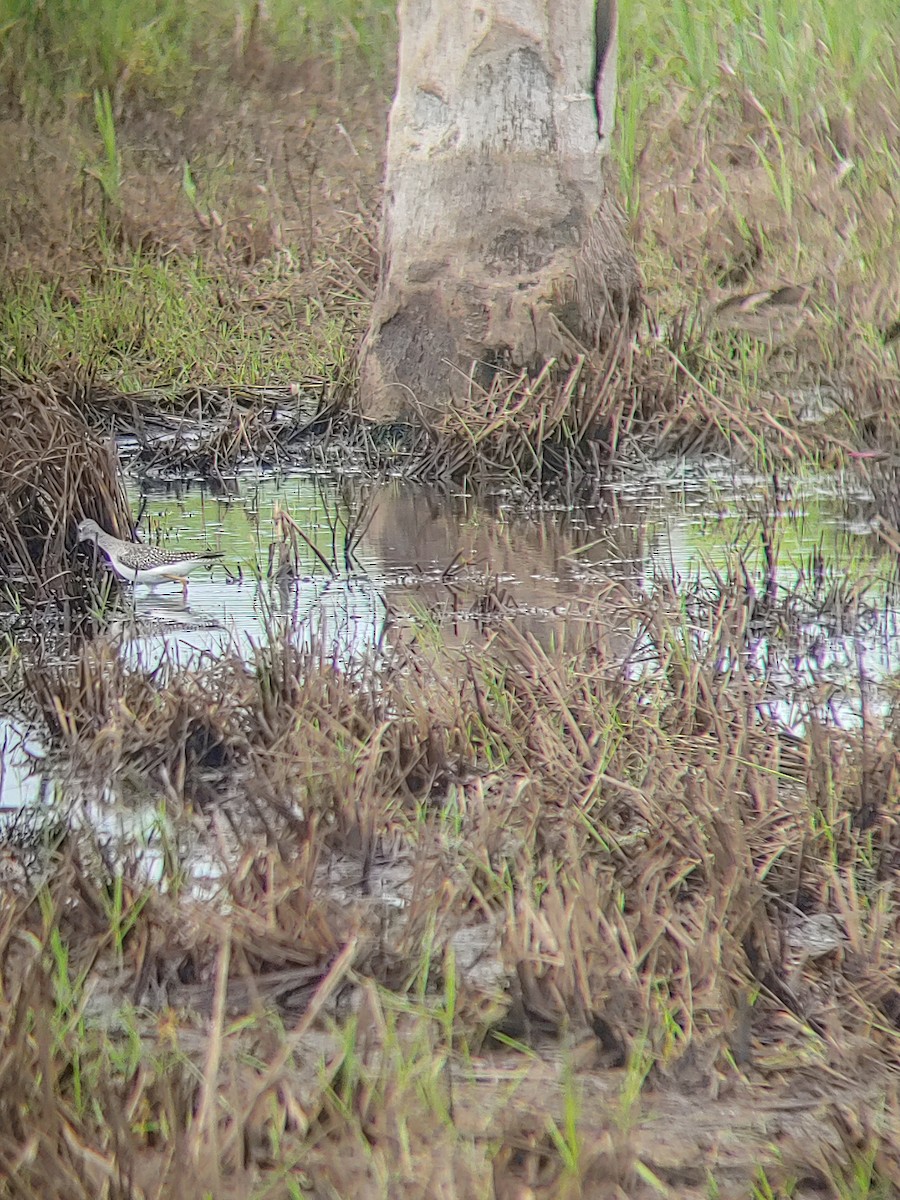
<point x="53" y="473"/>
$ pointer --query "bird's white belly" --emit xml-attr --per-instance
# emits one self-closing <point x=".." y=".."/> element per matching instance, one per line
<point x="158" y="574"/>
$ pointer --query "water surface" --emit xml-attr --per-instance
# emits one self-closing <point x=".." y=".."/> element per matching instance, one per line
<point x="674" y="525"/>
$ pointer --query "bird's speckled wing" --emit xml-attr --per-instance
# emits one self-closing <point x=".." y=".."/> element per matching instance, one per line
<point x="136" y="557"/>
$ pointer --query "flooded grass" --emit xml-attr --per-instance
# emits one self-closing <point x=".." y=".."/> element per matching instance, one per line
<point x="486" y="902"/>
<point x="504" y="882"/>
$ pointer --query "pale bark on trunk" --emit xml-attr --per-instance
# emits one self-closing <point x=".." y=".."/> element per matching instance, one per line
<point x="501" y="247"/>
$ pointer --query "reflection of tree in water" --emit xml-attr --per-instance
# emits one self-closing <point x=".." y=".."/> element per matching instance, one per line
<point x="544" y="565"/>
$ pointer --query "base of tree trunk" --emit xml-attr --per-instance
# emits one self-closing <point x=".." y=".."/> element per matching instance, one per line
<point x="501" y="248"/>
<point x="445" y="335"/>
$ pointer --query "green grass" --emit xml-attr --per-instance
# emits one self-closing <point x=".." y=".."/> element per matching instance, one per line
<point x="740" y="109"/>
<point x="785" y="54"/>
<point x="160" y="322"/>
<point x="59" y="53"/>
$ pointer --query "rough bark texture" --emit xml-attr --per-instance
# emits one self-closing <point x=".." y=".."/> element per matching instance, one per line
<point x="500" y="246"/>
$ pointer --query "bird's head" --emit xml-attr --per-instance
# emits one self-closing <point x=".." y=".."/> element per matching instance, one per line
<point x="88" y="531"/>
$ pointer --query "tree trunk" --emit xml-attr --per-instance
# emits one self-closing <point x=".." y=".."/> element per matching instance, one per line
<point x="500" y="245"/>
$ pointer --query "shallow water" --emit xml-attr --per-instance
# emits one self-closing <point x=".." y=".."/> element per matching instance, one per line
<point x="673" y="524"/>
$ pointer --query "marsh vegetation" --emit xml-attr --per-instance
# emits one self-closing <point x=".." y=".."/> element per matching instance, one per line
<point x="517" y="897"/>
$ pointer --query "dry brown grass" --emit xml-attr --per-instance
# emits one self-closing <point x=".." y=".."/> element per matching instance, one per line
<point x="652" y="891"/>
<point x="53" y="473"/>
<point x="741" y="206"/>
<point x="730" y="197"/>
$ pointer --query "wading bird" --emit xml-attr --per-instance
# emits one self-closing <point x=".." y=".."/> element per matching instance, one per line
<point x="136" y="563"/>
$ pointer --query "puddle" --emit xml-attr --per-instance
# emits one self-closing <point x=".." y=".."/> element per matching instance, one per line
<point x="675" y="525"/>
<point x="23" y="782"/>
<point x="670" y="522"/>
